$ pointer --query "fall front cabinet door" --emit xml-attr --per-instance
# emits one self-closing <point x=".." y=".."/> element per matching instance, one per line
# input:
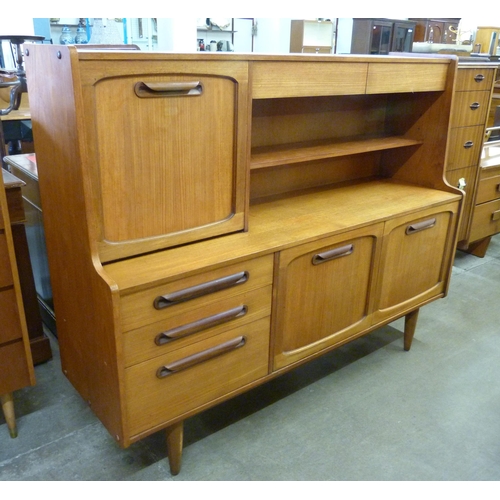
<point x="324" y="291"/>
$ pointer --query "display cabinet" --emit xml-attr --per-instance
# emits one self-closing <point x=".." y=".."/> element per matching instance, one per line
<point x="311" y="36"/>
<point x="192" y="263"/>
<point x="381" y="36"/>
<point x="436" y="30"/>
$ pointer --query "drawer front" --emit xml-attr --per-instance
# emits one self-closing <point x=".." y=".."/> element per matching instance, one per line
<point x="178" y="297"/>
<point x="489" y="188"/>
<point x="161" y="389"/>
<point x="296" y="79"/>
<point x="486" y="220"/>
<point x="15" y="372"/>
<point x="474" y="79"/>
<point x="11" y="325"/>
<point x="197" y="324"/>
<point x="406" y="77"/>
<point x="470" y="108"/>
<point x="464" y="147"/>
<point x="5" y="269"/>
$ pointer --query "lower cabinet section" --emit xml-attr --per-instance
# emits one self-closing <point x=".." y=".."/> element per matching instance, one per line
<point x="336" y="288"/>
<point x="165" y="387"/>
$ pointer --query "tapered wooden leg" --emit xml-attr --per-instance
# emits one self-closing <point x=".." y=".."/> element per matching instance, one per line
<point x="410" y="326"/>
<point x="8" y="411"/>
<point x="175" y="435"/>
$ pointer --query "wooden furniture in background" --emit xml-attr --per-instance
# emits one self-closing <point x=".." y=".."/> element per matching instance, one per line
<point x="469" y="115"/>
<point x="442" y="30"/>
<point x="381" y="36"/>
<point x="192" y="263"/>
<point x="486" y="214"/>
<point x="39" y="342"/>
<point x="487" y="37"/>
<point x="24" y="167"/>
<point x="311" y="36"/>
<point x="16" y="365"/>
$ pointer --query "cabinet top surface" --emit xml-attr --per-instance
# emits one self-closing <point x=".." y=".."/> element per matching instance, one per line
<point x="92" y="54"/>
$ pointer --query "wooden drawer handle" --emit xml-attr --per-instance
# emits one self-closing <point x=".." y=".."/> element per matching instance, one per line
<point x="167" y="89"/>
<point x="498" y="188"/>
<point x="479" y="78"/>
<point x="421" y="226"/>
<point x="495" y="215"/>
<point x="336" y="253"/>
<point x="200" y="325"/>
<point x="200" y="357"/>
<point x="474" y="106"/>
<point x="468" y="144"/>
<point x="196" y="291"/>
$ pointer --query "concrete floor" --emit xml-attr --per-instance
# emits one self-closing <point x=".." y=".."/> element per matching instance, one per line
<point x="367" y="411"/>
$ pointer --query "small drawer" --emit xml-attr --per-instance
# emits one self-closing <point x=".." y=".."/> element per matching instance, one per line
<point x="464" y="147"/>
<point x="197" y="324"/>
<point x="474" y="79"/>
<point x="179" y="382"/>
<point x="11" y="328"/>
<point x="489" y="186"/>
<point x="304" y="79"/>
<point x="470" y="108"/>
<point x="5" y="268"/>
<point x="178" y="297"/>
<point x="486" y="221"/>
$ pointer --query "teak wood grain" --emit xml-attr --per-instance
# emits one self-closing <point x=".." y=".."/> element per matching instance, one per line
<point x="149" y="216"/>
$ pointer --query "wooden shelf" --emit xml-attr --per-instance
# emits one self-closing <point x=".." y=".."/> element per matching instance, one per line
<point x="272" y="156"/>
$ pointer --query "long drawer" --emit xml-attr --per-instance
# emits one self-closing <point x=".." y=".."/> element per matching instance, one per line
<point x="197" y="324"/>
<point x="489" y="185"/>
<point x="486" y="221"/>
<point x="167" y="387"/>
<point x="178" y="297"/>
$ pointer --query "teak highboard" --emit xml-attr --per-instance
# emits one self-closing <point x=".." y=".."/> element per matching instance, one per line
<point x="214" y="220"/>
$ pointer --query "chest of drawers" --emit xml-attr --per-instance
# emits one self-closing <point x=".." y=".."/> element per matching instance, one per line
<point x="473" y="90"/>
<point x="16" y="365"/>
<point x="335" y="218"/>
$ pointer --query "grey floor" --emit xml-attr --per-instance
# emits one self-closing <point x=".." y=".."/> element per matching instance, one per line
<point x="367" y="411"/>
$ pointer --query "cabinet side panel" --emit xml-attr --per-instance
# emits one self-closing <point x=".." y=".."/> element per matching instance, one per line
<point x="83" y="301"/>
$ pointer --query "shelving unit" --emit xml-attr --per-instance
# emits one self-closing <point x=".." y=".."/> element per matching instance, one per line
<point x="209" y="260"/>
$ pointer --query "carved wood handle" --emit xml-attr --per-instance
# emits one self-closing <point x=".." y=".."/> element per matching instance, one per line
<point x="193" y="292"/>
<point x="420" y="226"/>
<point x="200" y="357"/>
<point x="167" y="89"/>
<point x="336" y="253"/>
<point x="202" y="324"/>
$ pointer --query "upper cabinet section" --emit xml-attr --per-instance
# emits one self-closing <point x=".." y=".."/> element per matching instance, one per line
<point x="157" y="141"/>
